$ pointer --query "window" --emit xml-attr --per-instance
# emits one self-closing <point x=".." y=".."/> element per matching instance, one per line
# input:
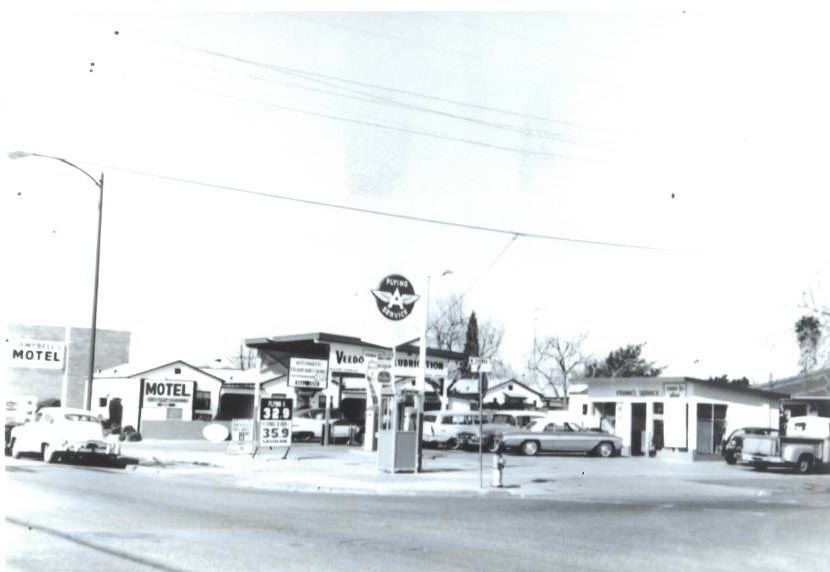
<point x="429" y="418"/>
<point x="202" y="400"/>
<point x="177" y="371"/>
<point x="102" y="402"/>
<point x="657" y="407"/>
<point x="585" y="409"/>
<point x="79" y="417"/>
<point x="174" y="413"/>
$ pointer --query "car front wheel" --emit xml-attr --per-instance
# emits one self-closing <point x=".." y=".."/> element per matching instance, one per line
<point x="804" y="465"/>
<point x="732" y="458"/>
<point x="530" y="448"/>
<point x="605" y="449"/>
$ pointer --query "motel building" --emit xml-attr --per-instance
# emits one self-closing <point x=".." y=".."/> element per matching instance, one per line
<point x="673" y="418"/>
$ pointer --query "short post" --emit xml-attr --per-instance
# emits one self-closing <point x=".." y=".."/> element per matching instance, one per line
<point x="498" y="471"/>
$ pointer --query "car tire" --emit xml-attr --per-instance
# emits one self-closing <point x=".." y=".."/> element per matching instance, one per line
<point x="605" y="449"/>
<point x="530" y="448"/>
<point x="48" y="453"/>
<point x="804" y="464"/>
<point x="15" y="449"/>
<point x="732" y="458"/>
<point x="452" y="443"/>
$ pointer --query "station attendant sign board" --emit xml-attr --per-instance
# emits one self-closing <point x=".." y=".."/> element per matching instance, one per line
<point x="308" y="373"/>
<point x="242" y="436"/>
<point x="275" y="415"/>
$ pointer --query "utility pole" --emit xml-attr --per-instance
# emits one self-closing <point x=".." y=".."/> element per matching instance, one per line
<point x="533" y="371"/>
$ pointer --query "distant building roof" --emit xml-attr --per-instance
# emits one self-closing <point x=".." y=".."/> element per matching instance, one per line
<point x="814" y="384"/>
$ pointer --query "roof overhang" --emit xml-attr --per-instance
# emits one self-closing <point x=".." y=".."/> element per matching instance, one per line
<point x="317" y="345"/>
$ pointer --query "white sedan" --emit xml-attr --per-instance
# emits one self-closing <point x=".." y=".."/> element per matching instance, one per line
<point x="58" y="433"/>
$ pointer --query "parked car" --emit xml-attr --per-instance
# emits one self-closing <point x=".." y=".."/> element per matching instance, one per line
<point x="546" y="436"/>
<point x="731" y="446"/>
<point x="499" y="422"/>
<point x="805" y="448"/>
<point x="307" y="425"/>
<point x="347" y="430"/>
<point x="451" y="429"/>
<point x="20" y="409"/>
<point x="63" y="433"/>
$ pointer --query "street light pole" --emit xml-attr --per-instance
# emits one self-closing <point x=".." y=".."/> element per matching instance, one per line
<point x="93" y="330"/>
<point x="422" y="382"/>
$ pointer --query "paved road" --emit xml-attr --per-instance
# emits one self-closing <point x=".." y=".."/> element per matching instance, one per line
<point x="77" y="518"/>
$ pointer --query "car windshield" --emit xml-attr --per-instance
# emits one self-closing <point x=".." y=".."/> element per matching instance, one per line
<point x="80" y="417"/>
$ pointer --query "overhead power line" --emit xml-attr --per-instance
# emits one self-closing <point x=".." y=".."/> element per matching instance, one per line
<point x="400" y="216"/>
<point x="311" y="75"/>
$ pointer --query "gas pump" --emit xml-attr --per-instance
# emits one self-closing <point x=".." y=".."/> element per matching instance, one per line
<point x="397" y="430"/>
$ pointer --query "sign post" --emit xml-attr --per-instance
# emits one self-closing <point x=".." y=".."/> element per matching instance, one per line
<point x="480" y="366"/>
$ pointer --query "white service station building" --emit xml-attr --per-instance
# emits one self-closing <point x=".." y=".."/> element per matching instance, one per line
<point x="672" y="417"/>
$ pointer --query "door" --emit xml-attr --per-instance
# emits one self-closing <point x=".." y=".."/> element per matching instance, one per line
<point x="638" y="426"/>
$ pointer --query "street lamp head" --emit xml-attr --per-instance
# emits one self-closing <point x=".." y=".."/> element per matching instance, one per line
<point x="18" y="154"/>
<point x="445" y="272"/>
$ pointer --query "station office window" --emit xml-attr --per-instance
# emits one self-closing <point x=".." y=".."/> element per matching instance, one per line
<point x="658" y="407"/>
<point x="202" y="400"/>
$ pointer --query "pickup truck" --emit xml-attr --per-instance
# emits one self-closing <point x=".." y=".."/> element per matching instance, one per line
<point x="804" y="448"/>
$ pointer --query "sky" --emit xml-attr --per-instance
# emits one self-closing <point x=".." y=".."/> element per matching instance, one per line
<point x="655" y="175"/>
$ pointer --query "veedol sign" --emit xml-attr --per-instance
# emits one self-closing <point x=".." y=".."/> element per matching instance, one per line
<point x="347" y="359"/>
<point x="395" y="297"/>
<point x="36" y="354"/>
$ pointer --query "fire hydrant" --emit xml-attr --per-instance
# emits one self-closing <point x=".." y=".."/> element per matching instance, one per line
<point x="498" y="470"/>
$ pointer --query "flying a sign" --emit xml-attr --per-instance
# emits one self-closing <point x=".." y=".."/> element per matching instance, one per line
<point x="395" y="297"/>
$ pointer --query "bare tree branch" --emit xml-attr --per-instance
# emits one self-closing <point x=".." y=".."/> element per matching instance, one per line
<point x="556" y="359"/>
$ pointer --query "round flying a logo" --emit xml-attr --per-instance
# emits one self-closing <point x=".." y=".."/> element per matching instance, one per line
<point x="395" y="297"/>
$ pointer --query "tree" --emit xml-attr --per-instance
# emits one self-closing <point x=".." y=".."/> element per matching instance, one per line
<point x="556" y="359"/>
<point x="819" y="311"/>
<point x="625" y="361"/>
<point x="470" y="344"/>
<point x="447" y="325"/>
<point x="808" y="333"/>
<point x="447" y="330"/>
<point x="724" y="380"/>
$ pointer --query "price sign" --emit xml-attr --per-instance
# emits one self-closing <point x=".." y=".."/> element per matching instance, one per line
<point x="275" y="422"/>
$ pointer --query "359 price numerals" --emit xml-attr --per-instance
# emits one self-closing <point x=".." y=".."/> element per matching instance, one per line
<point x="275" y="432"/>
